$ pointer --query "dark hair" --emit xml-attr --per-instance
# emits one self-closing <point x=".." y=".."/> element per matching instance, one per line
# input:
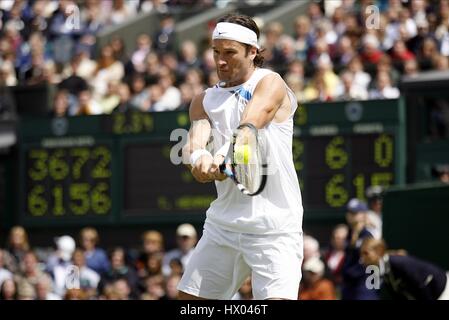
<point x="249" y="23"/>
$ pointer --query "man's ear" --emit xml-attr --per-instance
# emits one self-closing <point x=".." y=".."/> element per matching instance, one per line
<point x="252" y="53"/>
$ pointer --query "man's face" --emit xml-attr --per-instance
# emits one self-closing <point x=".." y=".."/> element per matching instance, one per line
<point x="369" y="256"/>
<point x="232" y="60"/>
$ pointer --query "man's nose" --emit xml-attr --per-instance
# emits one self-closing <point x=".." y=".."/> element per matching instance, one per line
<point x="221" y="62"/>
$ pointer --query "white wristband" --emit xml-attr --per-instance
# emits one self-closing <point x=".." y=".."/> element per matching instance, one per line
<point x="197" y="154"/>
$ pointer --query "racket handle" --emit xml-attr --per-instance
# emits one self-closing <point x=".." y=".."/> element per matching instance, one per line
<point x="222" y="167"/>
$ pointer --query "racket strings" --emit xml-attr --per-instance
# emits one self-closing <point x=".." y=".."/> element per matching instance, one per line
<point x="249" y="173"/>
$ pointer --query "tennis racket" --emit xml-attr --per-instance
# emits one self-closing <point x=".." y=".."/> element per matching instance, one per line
<point x="245" y="162"/>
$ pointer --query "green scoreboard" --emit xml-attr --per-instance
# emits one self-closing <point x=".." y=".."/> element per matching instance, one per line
<point x="116" y="169"/>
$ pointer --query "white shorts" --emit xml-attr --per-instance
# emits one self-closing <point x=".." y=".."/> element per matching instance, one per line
<point x="222" y="260"/>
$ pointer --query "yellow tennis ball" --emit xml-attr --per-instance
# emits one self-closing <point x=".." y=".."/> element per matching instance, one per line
<point x="242" y="154"/>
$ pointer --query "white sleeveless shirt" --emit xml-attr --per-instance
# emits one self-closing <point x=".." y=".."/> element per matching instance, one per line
<point x="278" y="208"/>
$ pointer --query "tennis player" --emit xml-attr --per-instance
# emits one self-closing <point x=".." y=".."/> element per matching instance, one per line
<point x="259" y="236"/>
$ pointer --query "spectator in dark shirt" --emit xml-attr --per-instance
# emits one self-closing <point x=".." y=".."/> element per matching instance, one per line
<point x="164" y="39"/>
<point x="354" y="276"/>
<point x="406" y="277"/>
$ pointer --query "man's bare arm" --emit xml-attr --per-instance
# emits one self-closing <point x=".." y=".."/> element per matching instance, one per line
<point x="200" y="129"/>
<point x="266" y="101"/>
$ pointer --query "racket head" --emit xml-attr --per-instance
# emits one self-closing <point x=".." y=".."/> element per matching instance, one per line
<point x="248" y="163"/>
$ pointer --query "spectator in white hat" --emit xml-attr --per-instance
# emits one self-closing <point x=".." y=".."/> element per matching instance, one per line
<point x="186" y="238"/>
<point x="315" y="286"/>
<point x="59" y="263"/>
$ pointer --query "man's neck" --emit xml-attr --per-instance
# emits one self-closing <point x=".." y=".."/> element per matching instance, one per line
<point x="241" y="81"/>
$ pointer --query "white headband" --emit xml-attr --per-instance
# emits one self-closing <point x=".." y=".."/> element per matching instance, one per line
<point x="236" y="32"/>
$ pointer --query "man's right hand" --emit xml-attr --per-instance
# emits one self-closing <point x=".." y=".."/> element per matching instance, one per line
<point x="201" y="169"/>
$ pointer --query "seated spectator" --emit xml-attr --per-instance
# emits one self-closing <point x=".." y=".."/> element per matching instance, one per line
<point x="313" y="285"/>
<point x="59" y="264"/>
<point x="164" y="38"/>
<point x="30" y="275"/>
<point x="361" y="77"/>
<point x="120" y="269"/>
<point x="370" y="53"/>
<point x="405" y="277"/>
<point x="345" y="52"/>
<point x="74" y="83"/>
<point x="119" y="50"/>
<point x="121" y="290"/>
<point x="76" y="294"/>
<point x="121" y="11"/>
<point x="385" y="65"/>
<point x="427" y="52"/>
<point x="187" y="95"/>
<point x="270" y="39"/>
<point x="17" y="246"/>
<point x="400" y="53"/>
<point x="411" y="68"/>
<point x="60" y="104"/>
<point x="108" y="69"/>
<point x="296" y="84"/>
<point x="353" y="272"/>
<point x="8" y="76"/>
<point x="8" y="290"/>
<point x="176" y="266"/>
<point x="124" y="104"/>
<point x="189" y="57"/>
<point x="140" y="93"/>
<point x="317" y="90"/>
<point x="171" y="287"/>
<point x="153" y="265"/>
<point x="384" y="89"/>
<point x="35" y="73"/>
<point x="96" y="258"/>
<point x="87" y="105"/>
<point x="349" y="90"/>
<point x="311" y="248"/>
<point x="111" y="99"/>
<point x="441" y="63"/>
<point x="186" y="238"/>
<point x="152" y="242"/>
<point x="88" y="279"/>
<point x="302" y="37"/>
<point x="44" y="290"/>
<point x="170" y="96"/>
<point x="141" y="52"/>
<point x="154" y="288"/>
<point x="335" y="256"/>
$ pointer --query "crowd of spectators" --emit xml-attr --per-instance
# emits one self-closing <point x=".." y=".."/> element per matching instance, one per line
<point x="333" y="53"/>
<point x="83" y="270"/>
